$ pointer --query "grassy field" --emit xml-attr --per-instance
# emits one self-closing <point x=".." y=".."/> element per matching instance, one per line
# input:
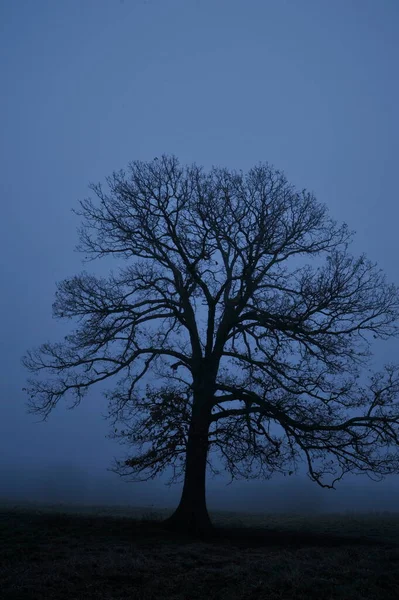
<point x="72" y="553"/>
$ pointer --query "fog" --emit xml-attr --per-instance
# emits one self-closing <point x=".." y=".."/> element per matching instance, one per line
<point x="89" y="86"/>
<point x="68" y="483"/>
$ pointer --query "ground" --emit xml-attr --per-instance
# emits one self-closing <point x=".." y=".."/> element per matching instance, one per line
<point x="50" y="552"/>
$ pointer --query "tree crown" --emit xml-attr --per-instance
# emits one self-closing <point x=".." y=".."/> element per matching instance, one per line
<point x="214" y="277"/>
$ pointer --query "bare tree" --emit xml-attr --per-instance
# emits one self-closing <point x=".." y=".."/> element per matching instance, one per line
<point x="259" y="351"/>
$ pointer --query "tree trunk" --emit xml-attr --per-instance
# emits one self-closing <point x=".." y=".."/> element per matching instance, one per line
<point x="191" y="514"/>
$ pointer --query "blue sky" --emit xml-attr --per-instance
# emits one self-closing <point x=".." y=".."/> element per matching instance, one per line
<point x="89" y="85"/>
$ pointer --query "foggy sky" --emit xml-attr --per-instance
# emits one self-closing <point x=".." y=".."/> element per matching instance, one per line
<point x="89" y="85"/>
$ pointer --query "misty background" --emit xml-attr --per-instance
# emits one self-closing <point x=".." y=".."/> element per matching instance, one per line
<point x="310" y="86"/>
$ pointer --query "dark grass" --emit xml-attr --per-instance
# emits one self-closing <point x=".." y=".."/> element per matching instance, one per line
<point x="70" y="556"/>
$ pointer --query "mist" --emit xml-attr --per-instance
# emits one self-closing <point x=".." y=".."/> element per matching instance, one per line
<point x="88" y="87"/>
<point x="66" y="483"/>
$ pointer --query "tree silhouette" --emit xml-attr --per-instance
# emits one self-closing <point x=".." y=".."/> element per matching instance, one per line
<point x="239" y="295"/>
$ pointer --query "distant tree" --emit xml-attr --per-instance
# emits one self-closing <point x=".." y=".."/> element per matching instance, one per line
<point x="215" y="277"/>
